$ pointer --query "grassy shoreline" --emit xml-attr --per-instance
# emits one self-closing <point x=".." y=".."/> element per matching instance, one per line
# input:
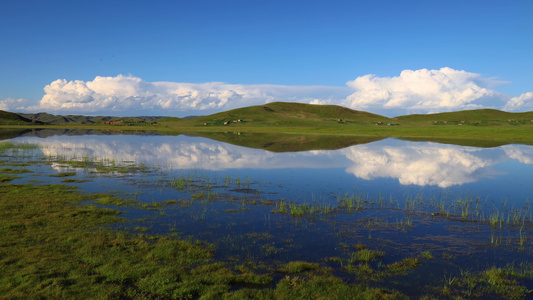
<point x="53" y="247"/>
<point x="497" y="127"/>
<point x="467" y="136"/>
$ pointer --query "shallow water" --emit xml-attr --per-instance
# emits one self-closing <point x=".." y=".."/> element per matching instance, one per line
<point x="399" y="197"/>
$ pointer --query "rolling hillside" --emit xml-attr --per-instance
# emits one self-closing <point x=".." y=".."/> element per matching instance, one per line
<point x="482" y="117"/>
<point x="8" y="118"/>
<point x="283" y="114"/>
<point x="80" y="119"/>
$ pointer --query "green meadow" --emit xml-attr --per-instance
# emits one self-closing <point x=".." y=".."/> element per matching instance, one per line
<point x="485" y="127"/>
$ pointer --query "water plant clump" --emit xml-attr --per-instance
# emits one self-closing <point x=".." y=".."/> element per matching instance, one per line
<point x="14" y="171"/>
<point x="8" y="178"/>
<point x="93" y="164"/>
<point x="294" y="267"/>
<point x="18" y="150"/>
<point x="351" y="202"/>
<point x="493" y="281"/>
<point x="365" y="255"/>
<point x="63" y="174"/>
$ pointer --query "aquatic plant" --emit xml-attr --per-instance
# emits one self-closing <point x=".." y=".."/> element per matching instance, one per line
<point x="8" y="178"/>
<point x="298" y="267"/>
<point x="63" y="174"/>
<point x="365" y="255"/>
<point x="14" y="171"/>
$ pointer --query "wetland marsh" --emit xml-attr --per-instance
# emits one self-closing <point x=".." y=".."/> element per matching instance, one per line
<point x="207" y="219"/>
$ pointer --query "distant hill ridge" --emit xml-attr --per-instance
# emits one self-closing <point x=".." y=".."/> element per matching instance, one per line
<point x="287" y="114"/>
<point x="9" y="118"/>
<point x="479" y="116"/>
<point x="80" y="119"/>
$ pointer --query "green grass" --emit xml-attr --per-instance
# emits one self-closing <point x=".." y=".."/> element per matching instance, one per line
<point x="295" y="127"/>
<point x="12" y="118"/>
<point x="484" y="128"/>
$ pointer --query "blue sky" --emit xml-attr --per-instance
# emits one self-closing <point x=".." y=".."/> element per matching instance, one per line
<point x="171" y="57"/>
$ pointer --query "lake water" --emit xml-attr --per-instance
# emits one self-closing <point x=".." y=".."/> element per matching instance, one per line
<point x="469" y="207"/>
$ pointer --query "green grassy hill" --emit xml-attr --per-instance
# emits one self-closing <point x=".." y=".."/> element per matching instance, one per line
<point x="480" y="117"/>
<point x="282" y="114"/>
<point x="8" y="118"/>
<point x="80" y="119"/>
<point x="53" y="119"/>
<point x="483" y="127"/>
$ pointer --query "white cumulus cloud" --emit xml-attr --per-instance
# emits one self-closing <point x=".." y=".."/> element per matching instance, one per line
<point x="522" y="102"/>
<point x="19" y="105"/>
<point x="413" y="91"/>
<point x="132" y="93"/>
<point x="420" y="91"/>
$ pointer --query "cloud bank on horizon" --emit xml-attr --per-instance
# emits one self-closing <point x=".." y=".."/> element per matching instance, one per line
<point x="413" y="91"/>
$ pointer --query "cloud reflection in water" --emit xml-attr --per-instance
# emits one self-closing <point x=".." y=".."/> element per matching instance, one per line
<point x="412" y="163"/>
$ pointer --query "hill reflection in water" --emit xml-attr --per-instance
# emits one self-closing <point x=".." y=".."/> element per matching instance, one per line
<point x="396" y="162"/>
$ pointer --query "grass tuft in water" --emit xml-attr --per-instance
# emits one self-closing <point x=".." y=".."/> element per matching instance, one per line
<point x="295" y="267"/>
<point x="365" y="255"/>
<point x="63" y="174"/>
<point x="8" y="178"/>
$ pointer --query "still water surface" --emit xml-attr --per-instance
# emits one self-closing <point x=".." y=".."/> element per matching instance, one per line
<point x="389" y="166"/>
<point x="413" y="197"/>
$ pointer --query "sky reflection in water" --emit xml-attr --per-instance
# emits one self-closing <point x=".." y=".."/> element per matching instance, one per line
<point x="389" y="166"/>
